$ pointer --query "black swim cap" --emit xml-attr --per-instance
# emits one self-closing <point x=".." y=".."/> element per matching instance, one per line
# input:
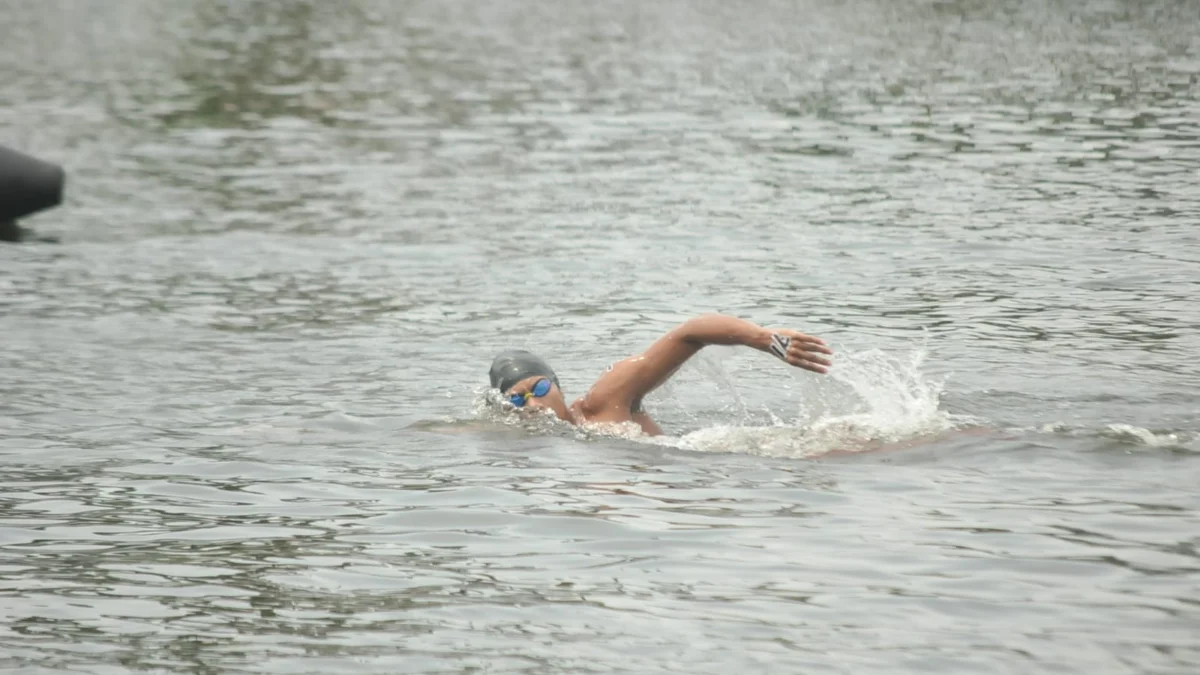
<point x="510" y="367"/>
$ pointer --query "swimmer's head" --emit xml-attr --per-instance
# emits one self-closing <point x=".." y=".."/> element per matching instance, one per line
<point x="517" y="372"/>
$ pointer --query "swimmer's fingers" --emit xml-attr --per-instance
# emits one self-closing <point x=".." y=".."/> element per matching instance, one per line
<point x="808" y="360"/>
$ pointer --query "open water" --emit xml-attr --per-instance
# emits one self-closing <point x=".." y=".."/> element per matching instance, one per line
<point x="243" y="426"/>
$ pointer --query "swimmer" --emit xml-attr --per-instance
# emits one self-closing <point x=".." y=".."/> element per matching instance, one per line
<point x="528" y="382"/>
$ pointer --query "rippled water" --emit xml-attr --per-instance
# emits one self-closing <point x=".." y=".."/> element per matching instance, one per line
<point x="243" y="426"/>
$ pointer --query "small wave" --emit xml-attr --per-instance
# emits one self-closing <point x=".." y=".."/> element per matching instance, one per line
<point x="1164" y="439"/>
<point x="1128" y="432"/>
<point x="1167" y="439"/>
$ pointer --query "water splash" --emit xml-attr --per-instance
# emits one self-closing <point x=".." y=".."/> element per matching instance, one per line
<point x="489" y="406"/>
<point x="871" y="400"/>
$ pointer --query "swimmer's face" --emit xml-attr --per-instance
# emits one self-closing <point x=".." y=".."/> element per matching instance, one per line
<point x="552" y="401"/>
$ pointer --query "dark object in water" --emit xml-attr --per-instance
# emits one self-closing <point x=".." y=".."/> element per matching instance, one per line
<point x="27" y="185"/>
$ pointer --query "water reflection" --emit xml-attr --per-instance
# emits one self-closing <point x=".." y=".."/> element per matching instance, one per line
<point x="243" y="63"/>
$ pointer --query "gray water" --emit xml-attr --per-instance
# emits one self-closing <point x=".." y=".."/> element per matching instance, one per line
<point x="244" y="425"/>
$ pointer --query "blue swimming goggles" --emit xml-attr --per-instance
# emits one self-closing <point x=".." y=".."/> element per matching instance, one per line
<point x="540" y="389"/>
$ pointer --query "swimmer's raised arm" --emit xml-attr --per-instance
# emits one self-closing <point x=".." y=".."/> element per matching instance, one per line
<point x="629" y="380"/>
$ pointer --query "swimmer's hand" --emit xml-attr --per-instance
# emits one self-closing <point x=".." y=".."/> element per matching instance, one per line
<point x="799" y="350"/>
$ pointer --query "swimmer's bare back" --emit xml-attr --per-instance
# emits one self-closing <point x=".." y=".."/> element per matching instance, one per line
<point x="617" y="395"/>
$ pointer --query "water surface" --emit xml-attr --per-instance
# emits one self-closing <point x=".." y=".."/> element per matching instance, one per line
<point x="243" y="426"/>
